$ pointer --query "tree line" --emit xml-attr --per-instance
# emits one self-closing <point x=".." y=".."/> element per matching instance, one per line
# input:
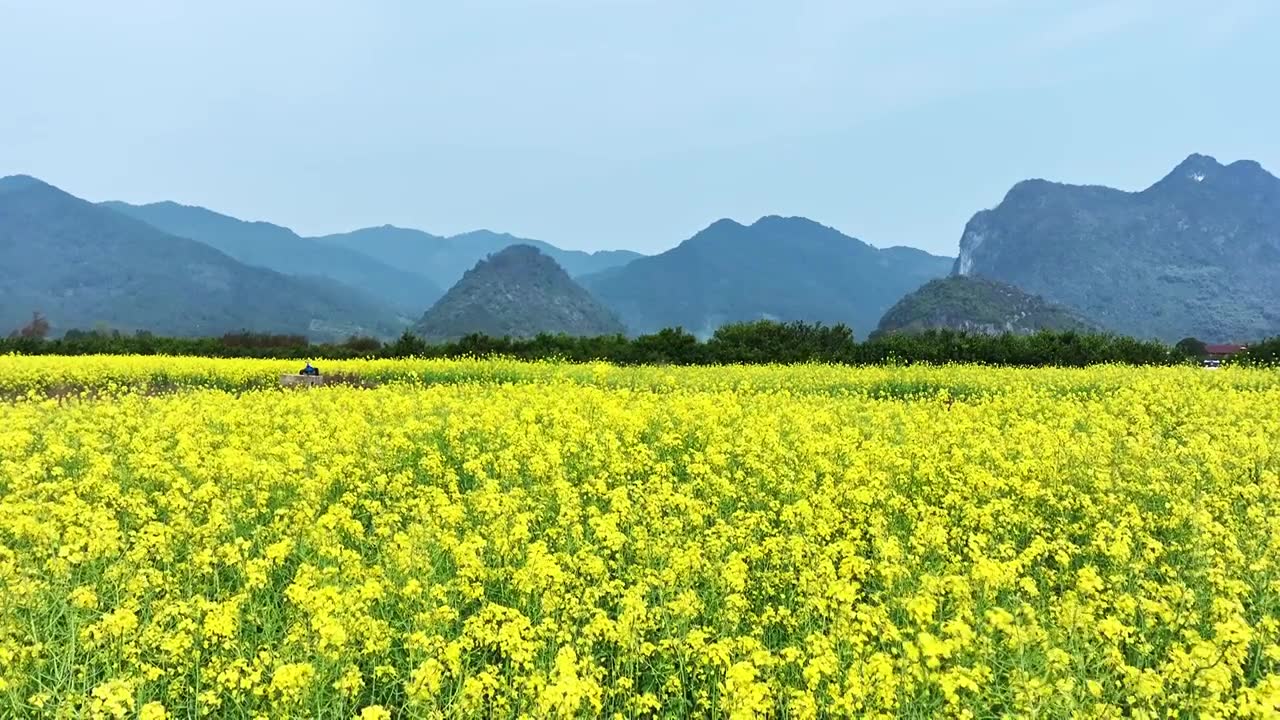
<point x="746" y="343"/>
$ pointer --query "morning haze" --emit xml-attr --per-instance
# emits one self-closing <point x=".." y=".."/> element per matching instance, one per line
<point x="626" y="124"/>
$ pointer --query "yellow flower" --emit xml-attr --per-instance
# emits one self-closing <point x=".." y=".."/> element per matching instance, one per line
<point x="84" y="598"/>
<point x="152" y="711"/>
<point x="290" y="680"/>
<point x="744" y="695"/>
<point x="113" y="699"/>
<point x="350" y="682"/>
<point x="488" y="537"/>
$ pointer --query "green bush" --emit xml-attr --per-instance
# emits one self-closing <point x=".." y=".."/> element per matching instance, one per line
<point x="747" y="343"/>
<point x="1266" y="353"/>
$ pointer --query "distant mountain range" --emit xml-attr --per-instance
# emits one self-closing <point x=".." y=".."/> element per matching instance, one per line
<point x="776" y="268"/>
<point x="280" y="249"/>
<point x="517" y="292"/>
<point x="1196" y="254"/>
<point x="405" y="268"/>
<point x="977" y="305"/>
<point x="445" y="259"/>
<point x="83" y="265"/>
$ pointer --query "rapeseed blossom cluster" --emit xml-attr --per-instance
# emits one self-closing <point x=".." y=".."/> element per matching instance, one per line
<point x="495" y="539"/>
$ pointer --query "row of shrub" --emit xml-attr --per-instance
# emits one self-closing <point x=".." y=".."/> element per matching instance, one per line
<point x="750" y="343"/>
<point x="1266" y="352"/>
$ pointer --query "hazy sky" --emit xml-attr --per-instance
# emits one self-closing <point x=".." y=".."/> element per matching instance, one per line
<point x="627" y="123"/>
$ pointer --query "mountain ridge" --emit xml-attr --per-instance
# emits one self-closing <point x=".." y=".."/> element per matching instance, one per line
<point x="776" y="268"/>
<point x="275" y="247"/>
<point x="1194" y="253"/>
<point x="977" y="305"/>
<point x="518" y="292"/>
<point x="444" y="259"/>
<point x="82" y="264"/>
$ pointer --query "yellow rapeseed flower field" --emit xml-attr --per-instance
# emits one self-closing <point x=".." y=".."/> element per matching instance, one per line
<point x="180" y="538"/>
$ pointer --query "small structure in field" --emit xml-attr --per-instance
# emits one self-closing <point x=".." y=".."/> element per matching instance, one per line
<point x="308" y="376"/>
<point x="1222" y="352"/>
<point x="292" y="380"/>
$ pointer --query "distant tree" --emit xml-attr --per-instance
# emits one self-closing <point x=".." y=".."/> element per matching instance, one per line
<point x="362" y="343"/>
<point x="1190" y="347"/>
<point x="767" y="341"/>
<point x="669" y="346"/>
<point x="408" y="345"/>
<point x="246" y="339"/>
<point x="101" y="329"/>
<point x="37" y="329"/>
<point x="1264" y="353"/>
<point x="753" y="342"/>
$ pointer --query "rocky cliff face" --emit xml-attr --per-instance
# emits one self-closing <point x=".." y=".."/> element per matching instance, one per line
<point x="1197" y="253"/>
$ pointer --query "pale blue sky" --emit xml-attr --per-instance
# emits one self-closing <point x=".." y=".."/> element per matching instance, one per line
<point x="627" y="123"/>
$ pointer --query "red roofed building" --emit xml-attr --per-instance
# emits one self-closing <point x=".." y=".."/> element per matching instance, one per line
<point x="1219" y="352"/>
